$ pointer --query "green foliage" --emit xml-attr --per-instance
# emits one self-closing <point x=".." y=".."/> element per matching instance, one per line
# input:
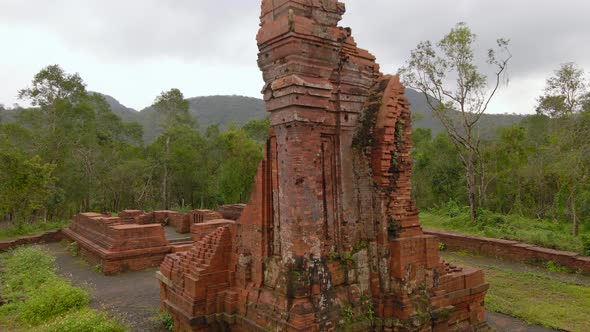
<point x="586" y="245"/>
<point x="438" y="173"/>
<point x="457" y="92"/>
<point x="85" y="320"/>
<point x="37" y="296"/>
<point x="364" y="137"/>
<point x="72" y="154"/>
<point x="174" y="108"/>
<point x="551" y="266"/>
<point x="25" y="183"/>
<point x="166" y="320"/>
<point x="566" y="92"/>
<point x="22" y="229"/>
<point x="348" y="314"/>
<point x="74" y="248"/>
<point x="345" y="258"/>
<point x="53" y="298"/>
<point x="556" y="301"/>
<point x="369" y="308"/>
<point x="24" y="270"/>
<point x="257" y="129"/>
<point x="542" y="232"/>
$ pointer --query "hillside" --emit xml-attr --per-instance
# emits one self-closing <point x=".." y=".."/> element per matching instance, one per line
<point x="425" y="118"/>
<point x="226" y="110"/>
<point x="207" y="111"/>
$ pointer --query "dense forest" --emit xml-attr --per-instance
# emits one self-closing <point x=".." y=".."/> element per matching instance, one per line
<point x="70" y="152"/>
<point x="538" y="168"/>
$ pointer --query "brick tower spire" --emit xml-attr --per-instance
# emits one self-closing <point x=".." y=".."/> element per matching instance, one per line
<point x="330" y="239"/>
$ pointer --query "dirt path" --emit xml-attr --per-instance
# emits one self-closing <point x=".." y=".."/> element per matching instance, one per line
<point x="135" y="296"/>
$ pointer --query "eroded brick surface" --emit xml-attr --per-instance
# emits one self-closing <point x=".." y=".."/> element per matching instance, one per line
<point x="330" y="239"/>
<point x="135" y="240"/>
<point x="116" y="244"/>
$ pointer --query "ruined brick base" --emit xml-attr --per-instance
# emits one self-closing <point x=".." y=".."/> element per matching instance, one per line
<point x="330" y="239"/>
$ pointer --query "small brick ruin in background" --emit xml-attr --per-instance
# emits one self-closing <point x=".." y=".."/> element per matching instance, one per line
<point x="330" y="240"/>
<point x="135" y="240"/>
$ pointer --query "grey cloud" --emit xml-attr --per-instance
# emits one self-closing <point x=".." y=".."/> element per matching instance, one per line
<point x="205" y="30"/>
<point x="211" y="33"/>
<point x="543" y="33"/>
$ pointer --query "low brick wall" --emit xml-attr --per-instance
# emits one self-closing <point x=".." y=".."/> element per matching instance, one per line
<point x="512" y="250"/>
<point x="47" y="237"/>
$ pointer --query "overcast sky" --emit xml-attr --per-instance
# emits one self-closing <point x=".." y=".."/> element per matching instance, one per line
<point x="134" y="49"/>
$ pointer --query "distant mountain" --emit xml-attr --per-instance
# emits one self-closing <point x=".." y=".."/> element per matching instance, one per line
<point x="425" y="117"/>
<point x="226" y="110"/>
<point x="207" y="111"/>
<point x="7" y="115"/>
<point x="126" y="113"/>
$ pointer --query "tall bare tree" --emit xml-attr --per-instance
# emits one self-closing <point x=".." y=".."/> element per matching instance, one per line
<point x="459" y="94"/>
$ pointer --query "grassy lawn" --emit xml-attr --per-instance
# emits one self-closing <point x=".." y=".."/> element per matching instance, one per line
<point x="544" y="233"/>
<point x="37" y="299"/>
<point x="9" y="232"/>
<point x="553" y="300"/>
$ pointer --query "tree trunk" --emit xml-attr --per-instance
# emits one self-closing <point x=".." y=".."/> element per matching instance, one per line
<point x="576" y="224"/>
<point x="471" y="186"/>
<point x="165" y="177"/>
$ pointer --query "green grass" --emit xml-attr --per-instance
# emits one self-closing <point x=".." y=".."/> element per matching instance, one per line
<point x="9" y="232"/>
<point x="552" y="300"/>
<point x="544" y="233"/>
<point x="84" y="320"/>
<point x="38" y="299"/>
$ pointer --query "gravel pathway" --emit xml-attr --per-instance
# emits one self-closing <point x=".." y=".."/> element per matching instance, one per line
<point x="135" y="295"/>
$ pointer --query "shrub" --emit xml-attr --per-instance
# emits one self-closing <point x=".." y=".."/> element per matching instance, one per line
<point x="53" y="298"/>
<point x="551" y="266"/>
<point x="586" y="245"/>
<point x="166" y="320"/>
<point x="85" y="320"/>
<point x="452" y="209"/>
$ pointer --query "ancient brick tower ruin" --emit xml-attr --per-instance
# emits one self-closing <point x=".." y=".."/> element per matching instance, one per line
<point x="330" y="240"/>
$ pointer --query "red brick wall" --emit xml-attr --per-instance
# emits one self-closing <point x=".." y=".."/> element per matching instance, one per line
<point x="47" y="237"/>
<point x="117" y="244"/>
<point x="512" y="250"/>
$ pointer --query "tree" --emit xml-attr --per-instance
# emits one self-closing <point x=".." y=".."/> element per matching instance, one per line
<point x="571" y="162"/>
<point x="26" y="184"/>
<point x="566" y="92"/>
<point x="258" y="129"/>
<point x="437" y="177"/>
<point x="461" y="94"/>
<point x="52" y="86"/>
<point x="174" y="107"/>
<point x="507" y="157"/>
<point x="175" y="110"/>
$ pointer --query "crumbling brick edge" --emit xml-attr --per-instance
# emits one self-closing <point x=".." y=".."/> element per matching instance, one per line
<point x="512" y="250"/>
<point x="46" y="237"/>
